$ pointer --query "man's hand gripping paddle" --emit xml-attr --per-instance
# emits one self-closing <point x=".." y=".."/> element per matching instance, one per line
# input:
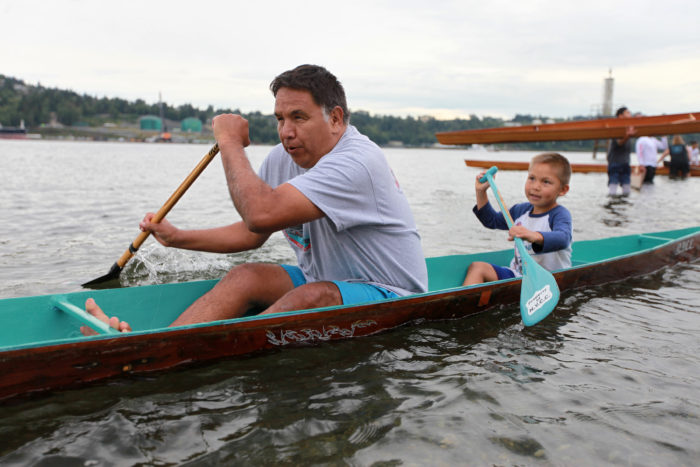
<point x="539" y="292"/>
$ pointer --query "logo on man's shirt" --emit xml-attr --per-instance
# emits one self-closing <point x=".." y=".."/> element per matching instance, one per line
<point x="296" y="237"/>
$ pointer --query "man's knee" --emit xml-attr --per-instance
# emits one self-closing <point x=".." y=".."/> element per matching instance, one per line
<point x="256" y="272"/>
<point x="258" y="284"/>
<point x="312" y="295"/>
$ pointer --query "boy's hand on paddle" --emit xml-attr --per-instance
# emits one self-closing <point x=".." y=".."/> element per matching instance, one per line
<point x="518" y="231"/>
<point x="482" y="187"/>
<point x="163" y="231"/>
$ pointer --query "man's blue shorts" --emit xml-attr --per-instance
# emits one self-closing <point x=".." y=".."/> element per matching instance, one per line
<point x="619" y="174"/>
<point x="503" y="273"/>
<point x="351" y="292"/>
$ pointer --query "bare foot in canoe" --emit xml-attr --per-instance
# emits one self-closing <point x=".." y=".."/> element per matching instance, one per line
<point x="92" y="308"/>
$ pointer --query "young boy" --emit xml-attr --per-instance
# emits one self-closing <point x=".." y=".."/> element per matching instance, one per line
<point x="542" y="224"/>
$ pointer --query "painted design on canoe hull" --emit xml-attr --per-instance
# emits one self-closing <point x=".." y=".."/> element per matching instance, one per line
<point x="314" y="335"/>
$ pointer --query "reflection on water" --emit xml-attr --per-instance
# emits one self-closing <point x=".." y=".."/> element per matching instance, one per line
<point x="615" y="211"/>
<point x="610" y="377"/>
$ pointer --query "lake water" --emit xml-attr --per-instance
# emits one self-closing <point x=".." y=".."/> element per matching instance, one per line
<point x="612" y="377"/>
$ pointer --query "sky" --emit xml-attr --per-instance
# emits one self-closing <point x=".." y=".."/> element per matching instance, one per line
<point x="446" y="59"/>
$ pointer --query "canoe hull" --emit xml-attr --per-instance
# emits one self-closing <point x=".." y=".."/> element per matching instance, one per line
<point x="605" y="128"/>
<point x="74" y="364"/>
<point x="32" y="369"/>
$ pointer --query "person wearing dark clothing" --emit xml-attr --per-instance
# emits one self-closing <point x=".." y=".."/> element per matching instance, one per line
<point x="619" y="158"/>
<point x="680" y="158"/>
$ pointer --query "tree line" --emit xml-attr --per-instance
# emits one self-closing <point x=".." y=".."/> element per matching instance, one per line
<point x="35" y="104"/>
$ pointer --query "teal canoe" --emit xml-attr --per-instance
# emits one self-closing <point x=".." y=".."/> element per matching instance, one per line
<point x="41" y="347"/>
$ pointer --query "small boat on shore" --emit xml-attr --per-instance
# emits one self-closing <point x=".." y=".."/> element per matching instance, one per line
<point x="42" y="349"/>
<point x="579" y="168"/>
<point x="13" y="133"/>
<point x="603" y="128"/>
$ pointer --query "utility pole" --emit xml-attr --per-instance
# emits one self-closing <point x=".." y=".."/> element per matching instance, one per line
<point x="163" y="128"/>
<point x="606" y="108"/>
<point x="608" y="95"/>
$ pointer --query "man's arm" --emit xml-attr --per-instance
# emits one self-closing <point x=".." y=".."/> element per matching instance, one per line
<point x="661" y="143"/>
<point x="630" y="132"/>
<point x="228" y="239"/>
<point x="263" y="209"/>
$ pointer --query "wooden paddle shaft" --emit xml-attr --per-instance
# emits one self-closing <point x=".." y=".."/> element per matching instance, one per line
<point x="504" y="208"/>
<point x="165" y="209"/>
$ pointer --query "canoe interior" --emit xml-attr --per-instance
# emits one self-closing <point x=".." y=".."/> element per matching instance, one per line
<point x="35" y="321"/>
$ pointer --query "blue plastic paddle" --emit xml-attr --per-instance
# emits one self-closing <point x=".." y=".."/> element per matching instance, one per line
<point x="539" y="292"/>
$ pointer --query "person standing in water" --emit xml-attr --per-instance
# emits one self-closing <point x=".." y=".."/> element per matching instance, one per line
<point x="619" y="158"/>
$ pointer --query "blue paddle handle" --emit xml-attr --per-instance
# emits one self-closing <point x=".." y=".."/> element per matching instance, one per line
<point x="492" y="171"/>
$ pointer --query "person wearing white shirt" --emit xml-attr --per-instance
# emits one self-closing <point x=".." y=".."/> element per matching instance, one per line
<point x="694" y="153"/>
<point x="647" y="149"/>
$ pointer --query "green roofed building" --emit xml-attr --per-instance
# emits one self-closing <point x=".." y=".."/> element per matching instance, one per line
<point x="150" y="122"/>
<point x="192" y="125"/>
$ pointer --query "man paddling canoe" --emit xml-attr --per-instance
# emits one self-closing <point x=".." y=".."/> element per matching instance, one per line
<point x="332" y="193"/>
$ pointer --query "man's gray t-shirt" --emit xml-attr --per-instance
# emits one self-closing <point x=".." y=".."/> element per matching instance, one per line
<point x="368" y="233"/>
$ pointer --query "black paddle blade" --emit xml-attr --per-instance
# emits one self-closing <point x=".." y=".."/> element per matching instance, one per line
<point x="107" y="281"/>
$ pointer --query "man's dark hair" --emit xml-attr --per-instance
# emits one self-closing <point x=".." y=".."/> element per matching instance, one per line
<point x="324" y="87"/>
<point x="620" y="111"/>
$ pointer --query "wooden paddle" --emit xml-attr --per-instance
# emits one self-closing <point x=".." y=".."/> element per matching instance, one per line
<point x="539" y="292"/>
<point x="117" y="267"/>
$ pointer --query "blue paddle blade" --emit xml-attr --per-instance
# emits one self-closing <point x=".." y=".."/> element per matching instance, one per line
<point x="539" y="292"/>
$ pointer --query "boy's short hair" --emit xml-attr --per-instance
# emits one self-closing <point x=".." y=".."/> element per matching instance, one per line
<point x="620" y="111"/>
<point x="559" y="162"/>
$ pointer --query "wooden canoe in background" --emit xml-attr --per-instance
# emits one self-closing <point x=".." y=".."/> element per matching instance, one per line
<point x="41" y="348"/>
<point x="580" y="168"/>
<point x="605" y="128"/>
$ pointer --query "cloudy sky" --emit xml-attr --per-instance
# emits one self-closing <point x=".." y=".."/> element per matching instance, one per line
<point x="440" y="58"/>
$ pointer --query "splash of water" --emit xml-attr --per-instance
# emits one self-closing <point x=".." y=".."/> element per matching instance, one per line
<point x="155" y="264"/>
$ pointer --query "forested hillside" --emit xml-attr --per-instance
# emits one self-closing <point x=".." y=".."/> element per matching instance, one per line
<point x="35" y="105"/>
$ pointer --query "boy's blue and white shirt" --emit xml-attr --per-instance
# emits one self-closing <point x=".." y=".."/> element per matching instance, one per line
<point x="555" y="226"/>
